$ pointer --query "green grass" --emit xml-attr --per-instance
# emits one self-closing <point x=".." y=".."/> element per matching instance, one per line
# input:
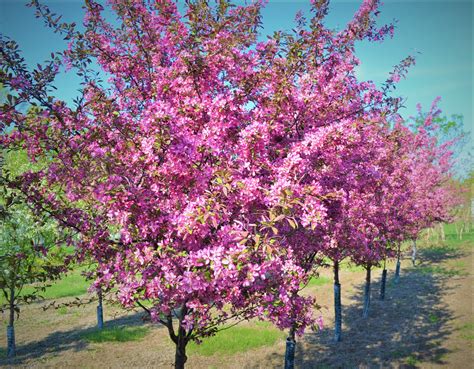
<point x="412" y="360"/>
<point x="452" y="238"/>
<point x="467" y="331"/>
<point x="397" y="354"/>
<point x="62" y="310"/>
<point x="440" y="250"/>
<point x="319" y="281"/>
<point x="460" y="264"/>
<point x="351" y="267"/>
<point x="436" y="269"/>
<point x="116" y="334"/>
<point x="450" y="232"/>
<point x="71" y="285"/>
<point x="237" y="339"/>
<point x="433" y="318"/>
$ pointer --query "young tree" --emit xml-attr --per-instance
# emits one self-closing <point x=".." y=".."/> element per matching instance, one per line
<point x="164" y="172"/>
<point x="29" y="252"/>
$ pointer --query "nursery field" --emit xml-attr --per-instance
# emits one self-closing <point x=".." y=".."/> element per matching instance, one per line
<point x="426" y="321"/>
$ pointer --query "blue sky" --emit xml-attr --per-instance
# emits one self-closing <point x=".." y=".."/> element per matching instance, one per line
<point x="439" y="33"/>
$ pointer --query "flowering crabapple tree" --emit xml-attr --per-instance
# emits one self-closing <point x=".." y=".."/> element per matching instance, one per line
<point x="412" y="191"/>
<point x="347" y="153"/>
<point x="325" y="105"/>
<point x="432" y="197"/>
<point x="166" y="171"/>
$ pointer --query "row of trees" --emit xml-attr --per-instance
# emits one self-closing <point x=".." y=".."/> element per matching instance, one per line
<point x="212" y="173"/>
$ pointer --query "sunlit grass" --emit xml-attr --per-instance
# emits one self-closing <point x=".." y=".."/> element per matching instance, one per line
<point x="412" y="360"/>
<point x="237" y="339"/>
<point x="71" y="285"/>
<point x="436" y="269"/>
<point x="319" y="281"/>
<point x="116" y="334"/>
<point x="352" y="267"/>
<point x="451" y="238"/>
<point x="467" y="331"/>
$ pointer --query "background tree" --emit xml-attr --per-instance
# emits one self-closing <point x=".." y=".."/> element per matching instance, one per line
<point x="30" y="256"/>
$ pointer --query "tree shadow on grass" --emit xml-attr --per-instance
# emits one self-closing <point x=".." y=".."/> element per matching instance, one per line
<point x="405" y="329"/>
<point x="60" y="341"/>
<point x="437" y="252"/>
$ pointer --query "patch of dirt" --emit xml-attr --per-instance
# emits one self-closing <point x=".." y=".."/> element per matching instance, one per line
<point x="418" y="325"/>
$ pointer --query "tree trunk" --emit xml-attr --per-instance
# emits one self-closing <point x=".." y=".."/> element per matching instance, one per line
<point x="337" y="305"/>
<point x="458" y="228"/>
<point x="382" y="284"/>
<point x="11" y="346"/>
<point x="100" y="311"/>
<point x="290" y="349"/>
<point x="181" y="340"/>
<point x="365" y="312"/>
<point x="180" y="357"/>
<point x="397" y="270"/>
<point x="413" y="254"/>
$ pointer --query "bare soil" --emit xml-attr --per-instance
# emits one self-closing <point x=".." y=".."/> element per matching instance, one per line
<point x="420" y="324"/>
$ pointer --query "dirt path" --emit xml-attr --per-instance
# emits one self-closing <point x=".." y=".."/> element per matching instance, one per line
<point x="426" y="321"/>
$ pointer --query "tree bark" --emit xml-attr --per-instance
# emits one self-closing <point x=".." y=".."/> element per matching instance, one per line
<point x="337" y="305"/>
<point x="181" y="339"/>
<point x="414" y="253"/>
<point x="397" y="270"/>
<point x="383" y="284"/>
<point x="180" y="357"/>
<point x="290" y="349"/>
<point x="11" y="345"/>
<point x="100" y="311"/>
<point x="365" y="312"/>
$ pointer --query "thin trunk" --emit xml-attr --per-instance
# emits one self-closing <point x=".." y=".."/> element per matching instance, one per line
<point x="181" y="340"/>
<point x="11" y="346"/>
<point x="443" y="235"/>
<point x="397" y="270"/>
<point x="365" y="312"/>
<point x="290" y="349"/>
<point x="180" y="357"/>
<point x="337" y="304"/>
<point x="100" y="311"/>
<point x="383" y="283"/>
<point x="413" y="254"/>
<point x="458" y="230"/>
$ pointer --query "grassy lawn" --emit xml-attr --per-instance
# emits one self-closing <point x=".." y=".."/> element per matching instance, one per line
<point x="467" y="331"/>
<point x="435" y="269"/>
<point x="71" y="285"/>
<point x="116" y="334"/>
<point x="237" y="339"/>
<point x="319" y="281"/>
<point x="351" y="267"/>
